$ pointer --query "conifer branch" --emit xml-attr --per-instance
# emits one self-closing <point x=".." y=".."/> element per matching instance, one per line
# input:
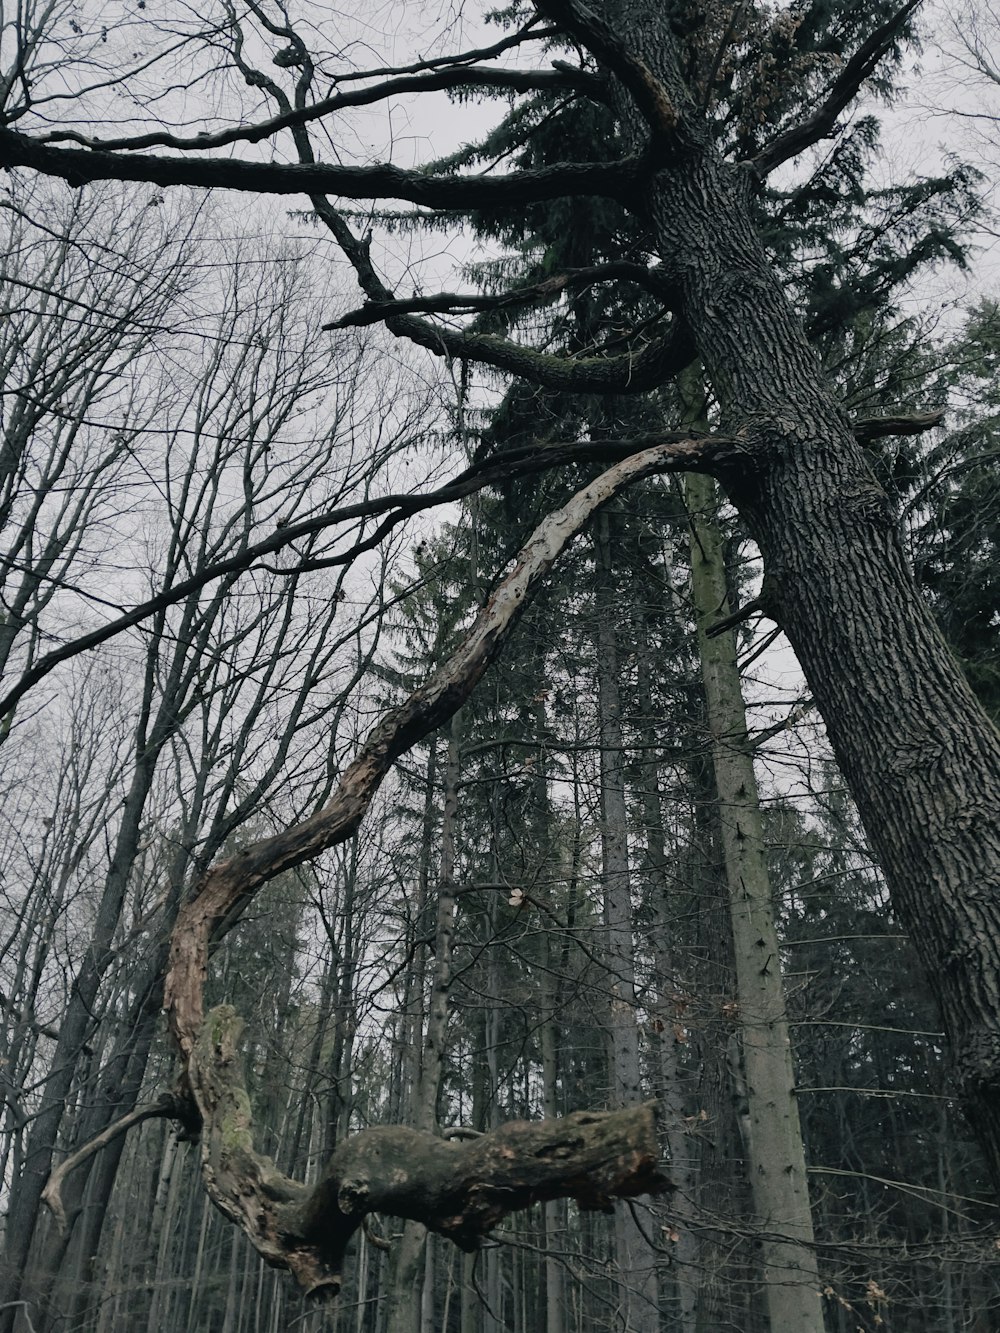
<point x="822" y="123"/>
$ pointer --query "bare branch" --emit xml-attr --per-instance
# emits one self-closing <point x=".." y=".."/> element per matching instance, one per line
<point x="914" y="423"/>
<point x="228" y="884"/>
<point x="822" y="123"/>
<point x="502" y="467"/>
<point x="517" y="80"/>
<point x="167" y="1106"/>
<point x="632" y="372"/>
<point x="756" y="606"/>
<point x="78" y="166"/>
<point x="374" y="312"/>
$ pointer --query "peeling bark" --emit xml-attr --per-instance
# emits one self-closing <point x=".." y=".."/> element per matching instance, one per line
<point x="461" y="1190"/>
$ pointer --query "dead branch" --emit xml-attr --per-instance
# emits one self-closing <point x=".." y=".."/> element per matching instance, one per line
<point x="459" y="1189"/>
<point x="877" y="428"/>
<point x="166" y="1107"/>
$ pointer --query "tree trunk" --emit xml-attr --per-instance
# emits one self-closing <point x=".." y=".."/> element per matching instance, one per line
<point x="552" y="1216"/>
<point x="920" y="755"/>
<point x="774" y="1148"/>
<point x="680" y="1145"/>
<point x="405" y="1302"/>
<point x="637" y="1261"/>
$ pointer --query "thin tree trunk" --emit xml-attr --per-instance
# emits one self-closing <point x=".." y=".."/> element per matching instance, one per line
<point x="777" y="1158"/>
<point x="637" y="1260"/>
<point x="405" y="1301"/>
<point x="554" y="1210"/>
<point x="679" y="1143"/>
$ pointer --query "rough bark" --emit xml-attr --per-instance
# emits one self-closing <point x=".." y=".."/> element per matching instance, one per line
<point x="920" y="755"/>
<point x="774" y="1149"/>
<point x="461" y="1190"/>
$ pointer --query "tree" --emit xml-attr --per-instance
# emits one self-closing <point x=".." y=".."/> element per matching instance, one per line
<point x="699" y="131"/>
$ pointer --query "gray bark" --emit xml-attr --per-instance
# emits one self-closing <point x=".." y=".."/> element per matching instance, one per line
<point x="680" y="1145"/>
<point x="774" y="1148"/>
<point x="637" y="1260"/>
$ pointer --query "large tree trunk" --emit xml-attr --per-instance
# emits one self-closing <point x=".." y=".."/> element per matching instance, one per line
<point x="921" y="757"/>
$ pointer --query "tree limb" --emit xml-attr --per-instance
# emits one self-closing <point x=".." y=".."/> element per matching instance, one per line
<point x="230" y="883"/>
<point x="78" y="166"/>
<point x="461" y="1190"/>
<point x="913" y="423"/>
<point x="166" y="1106"/>
<point x="630" y="373"/>
<point x="821" y="124"/>
<point x="374" y="311"/>
<point x="648" y="92"/>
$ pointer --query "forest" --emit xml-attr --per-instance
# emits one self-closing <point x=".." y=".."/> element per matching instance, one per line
<point x="499" y="667"/>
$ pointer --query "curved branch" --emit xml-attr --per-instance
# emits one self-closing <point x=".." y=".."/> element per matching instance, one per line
<point x="229" y="884"/>
<point x="501" y="467"/>
<point x="166" y="1107"/>
<point x="461" y="1190"/>
<point x="78" y="166"/>
<point x="822" y="123"/>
